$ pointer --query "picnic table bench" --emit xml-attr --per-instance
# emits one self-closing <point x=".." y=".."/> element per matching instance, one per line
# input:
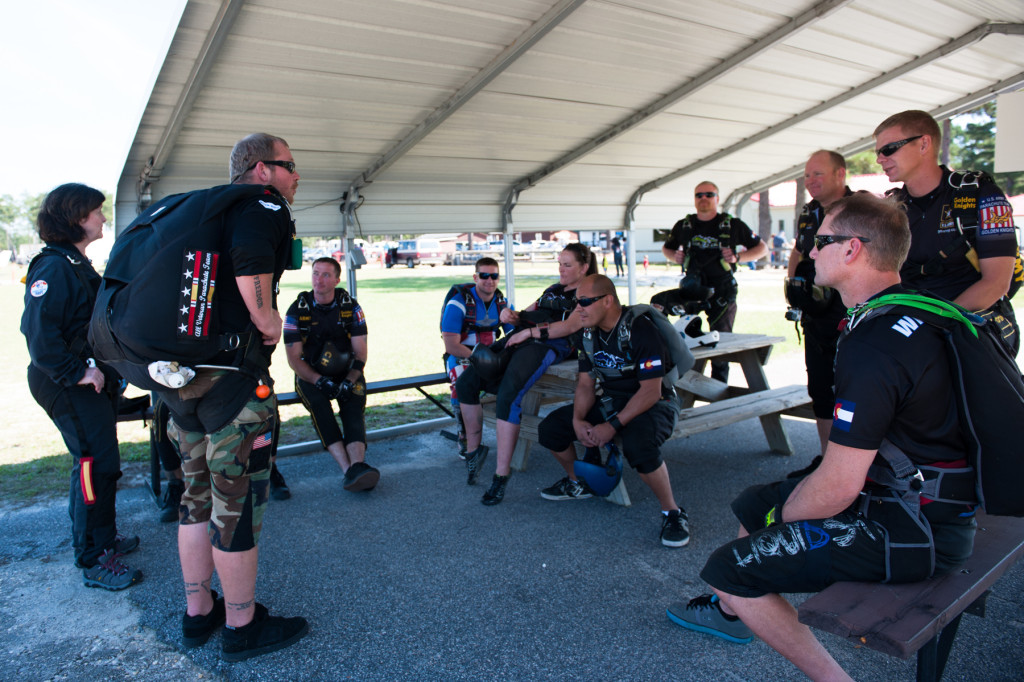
<point x="291" y="398"/>
<point x="725" y="404"/>
<point x="921" y="617"/>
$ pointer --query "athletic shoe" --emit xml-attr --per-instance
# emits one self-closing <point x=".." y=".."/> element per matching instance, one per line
<point x="264" y="634"/>
<point x="567" y="489"/>
<point x="278" y="488"/>
<point x="496" y="493"/>
<point x="704" y="614"/>
<point x="475" y="462"/>
<point x="360" y="476"/>
<point x="195" y="630"/>
<point x="111" y="573"/>
<point x="124" y="544"/>
<point x="172" y="500"/>
<point x="675" y="529"/>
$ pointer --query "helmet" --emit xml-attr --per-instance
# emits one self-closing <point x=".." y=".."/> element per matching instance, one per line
<point x="602" y="478"/>
<point x="693" y="335"/>
<point x="691" y="289"/>
<point x="487" y="363"/>
<point x="332" y="362"/>
<point x="810" y="298"/>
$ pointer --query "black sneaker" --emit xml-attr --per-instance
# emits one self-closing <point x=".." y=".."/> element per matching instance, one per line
<point x="475" y="462"/>
<point x="264" y="634"/>
<point x="278" y="488"/>
<point x="360" y="476"/>
<point x="171" y="500"/>
<point x="496" y="493"/>
<point x="675" y="529"/>
<point x="567" y="489"/>
<point x="111" y="573"/>
<point x="195" y="630"/>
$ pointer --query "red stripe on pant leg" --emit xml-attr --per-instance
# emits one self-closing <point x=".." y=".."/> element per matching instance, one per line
<point x="85" y="477"/>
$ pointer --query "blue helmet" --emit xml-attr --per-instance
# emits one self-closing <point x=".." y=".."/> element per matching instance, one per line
<point x="602" y="478"/>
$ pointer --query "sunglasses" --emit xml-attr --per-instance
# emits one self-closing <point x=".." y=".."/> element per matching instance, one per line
<point x="287" y="165"/>
<point x="587" y="301"/>
<point x="487" y="275"/>
<point x="706" y="195"/>
<point x="823" y="240"/>
<point x="893" y="147"/>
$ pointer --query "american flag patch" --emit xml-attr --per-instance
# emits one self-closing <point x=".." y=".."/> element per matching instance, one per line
<point x="263" y="441"/>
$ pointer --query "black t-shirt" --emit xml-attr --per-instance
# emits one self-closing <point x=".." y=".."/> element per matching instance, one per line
<point x="932" y="228"/>
<point x="561" y="303"/>
<point x="638" y="352"/>
<point x="893" y="381"/>
<point x="811" y="218"/>
<point x="704" y="243"/>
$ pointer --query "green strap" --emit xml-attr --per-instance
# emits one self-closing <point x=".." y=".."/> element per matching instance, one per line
<point x="936" y="307"/>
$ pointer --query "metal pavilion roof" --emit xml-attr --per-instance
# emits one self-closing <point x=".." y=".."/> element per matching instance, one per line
<point x="474" y="115"/>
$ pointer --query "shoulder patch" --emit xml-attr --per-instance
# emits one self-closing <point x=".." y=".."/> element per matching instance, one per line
<point x="272" y="206"/>
<point x="38" y="288"/>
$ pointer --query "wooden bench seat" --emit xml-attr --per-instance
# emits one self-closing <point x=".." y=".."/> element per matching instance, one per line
<point x="731" y="410"/>
<point x="922" y="618"/>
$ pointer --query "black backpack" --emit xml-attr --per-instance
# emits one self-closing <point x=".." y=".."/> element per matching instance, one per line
<point x="989" y="393"/>
<point x="156" y="302"/>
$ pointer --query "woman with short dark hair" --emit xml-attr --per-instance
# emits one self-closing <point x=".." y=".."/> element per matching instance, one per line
<point x="64" y="379"/>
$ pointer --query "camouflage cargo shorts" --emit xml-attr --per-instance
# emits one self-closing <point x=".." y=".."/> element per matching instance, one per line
<point x="227" y="475"/>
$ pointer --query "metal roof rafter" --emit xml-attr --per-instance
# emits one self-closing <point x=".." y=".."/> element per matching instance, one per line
<point x="218" y="33"/>
<point x="954" y="108"/>
<point x="714" y="73"/>
<point x="966" y="40"/>
<point x="498" y="65"/>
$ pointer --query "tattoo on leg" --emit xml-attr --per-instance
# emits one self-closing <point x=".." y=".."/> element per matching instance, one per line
<point x="240" y="606"/>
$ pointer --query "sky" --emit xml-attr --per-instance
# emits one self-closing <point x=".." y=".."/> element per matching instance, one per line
<point x="76" y="76"/>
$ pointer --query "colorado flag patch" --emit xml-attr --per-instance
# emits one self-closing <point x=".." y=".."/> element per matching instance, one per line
<point x="842" y="415"/>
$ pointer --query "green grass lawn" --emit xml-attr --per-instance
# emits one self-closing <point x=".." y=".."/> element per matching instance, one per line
<point x="402" y="308"/>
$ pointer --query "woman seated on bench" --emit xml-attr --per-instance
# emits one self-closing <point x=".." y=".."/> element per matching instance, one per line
<point x="551" y="322"/>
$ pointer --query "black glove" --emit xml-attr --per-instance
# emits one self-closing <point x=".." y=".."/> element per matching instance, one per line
<point x="329" y="388"/>
<point x="344" y="391"/>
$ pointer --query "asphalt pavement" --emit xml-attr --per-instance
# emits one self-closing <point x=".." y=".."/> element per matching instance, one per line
<point x="417" y="580"/>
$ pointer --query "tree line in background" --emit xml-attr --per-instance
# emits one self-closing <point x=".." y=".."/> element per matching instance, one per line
<point x="18" y="217"/>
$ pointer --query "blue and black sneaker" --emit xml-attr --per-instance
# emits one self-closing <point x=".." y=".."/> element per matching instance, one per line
<point x="704" y="614"/>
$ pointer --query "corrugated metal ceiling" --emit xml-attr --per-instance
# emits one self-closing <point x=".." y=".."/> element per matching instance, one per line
<point x="577" y="103"/>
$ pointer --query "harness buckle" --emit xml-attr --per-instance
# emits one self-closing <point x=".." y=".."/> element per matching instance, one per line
<point x="233" y="341"/>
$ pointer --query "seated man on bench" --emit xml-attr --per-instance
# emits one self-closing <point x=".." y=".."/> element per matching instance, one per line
<point x="325" y="340"/>
<point x="627" y="357"/>
<point x="802" y="535"/>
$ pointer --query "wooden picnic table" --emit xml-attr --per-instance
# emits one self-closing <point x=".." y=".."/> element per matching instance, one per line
<point x="722" y="404"/>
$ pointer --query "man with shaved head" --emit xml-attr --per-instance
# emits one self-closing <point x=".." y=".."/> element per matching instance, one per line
<point x="623" y="358"/>
<point x="821" y="308"/>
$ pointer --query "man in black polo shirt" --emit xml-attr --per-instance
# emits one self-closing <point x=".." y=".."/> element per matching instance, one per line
<point x="705" y="244"/>
<point x="801" y="535"/>
<point x="907" y="147"/>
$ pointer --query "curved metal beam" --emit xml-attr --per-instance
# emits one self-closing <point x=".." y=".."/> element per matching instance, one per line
<point x="748" y="53"/>
<point x="963" y="41"/>
<point x="215" y="38"/>
<point x="499" y="64"/>
<point x="954" y="108"/>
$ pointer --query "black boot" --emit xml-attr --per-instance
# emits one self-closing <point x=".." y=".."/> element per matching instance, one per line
<point x="171" y="500"/>
<point x="278" y="488"/>
<point x="496" y="493"/>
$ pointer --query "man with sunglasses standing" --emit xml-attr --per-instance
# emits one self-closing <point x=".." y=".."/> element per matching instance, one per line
<point x="624" y="358"/>
<point x="473" y="313"/>
<point x="821" y="308"/>
<point x="837" y="524"/>
<point x="704" y="244"/>
<point x="223" y="422"/>
<point x="963" y="241"/>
